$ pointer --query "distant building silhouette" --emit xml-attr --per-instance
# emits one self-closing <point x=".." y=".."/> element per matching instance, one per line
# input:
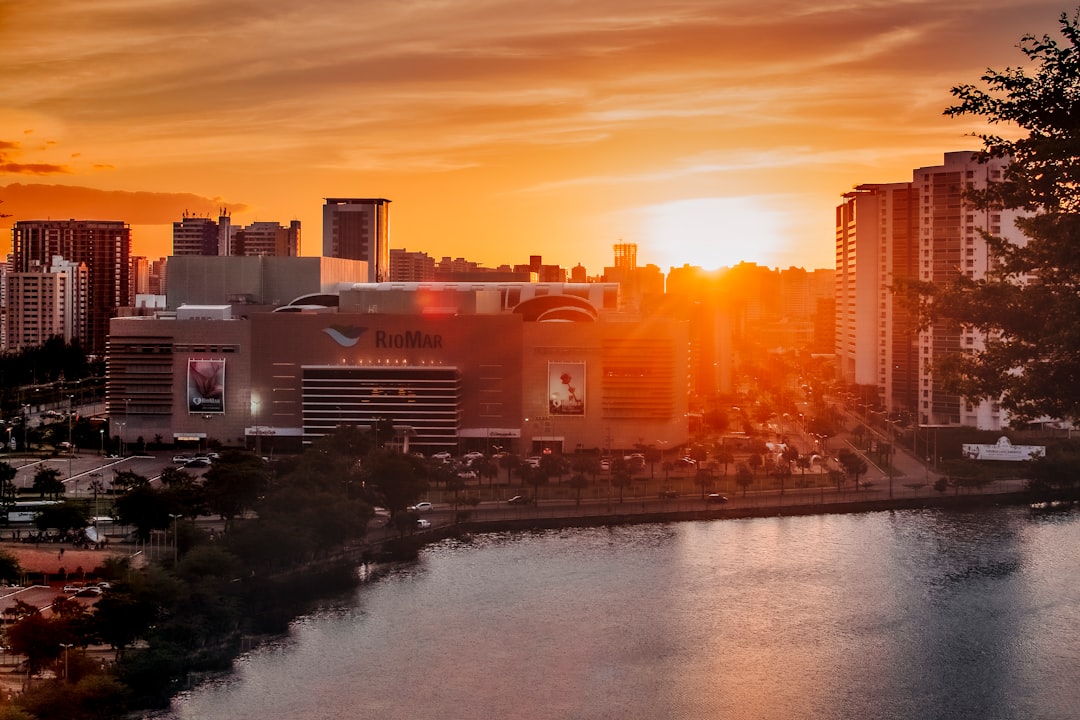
<point x="203" y="236"/>
<point x="358" y="229"/>
<point x="105" y="248"/>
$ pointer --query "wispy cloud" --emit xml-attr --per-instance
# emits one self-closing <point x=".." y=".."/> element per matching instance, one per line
<point x="476" y="102"/>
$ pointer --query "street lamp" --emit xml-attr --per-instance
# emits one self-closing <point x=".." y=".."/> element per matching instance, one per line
<point x="101" y="433"/>
<point x="71" y="413"/>
<point x="174" y="538"/>
<point x="66" y="646"/>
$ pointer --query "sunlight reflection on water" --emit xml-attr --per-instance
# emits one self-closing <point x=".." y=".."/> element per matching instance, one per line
<point x="919" y="614"/>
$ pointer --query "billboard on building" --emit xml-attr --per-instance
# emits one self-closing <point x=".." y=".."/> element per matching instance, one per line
<point x="566" y="388"/>
<point x="206" y="386"/>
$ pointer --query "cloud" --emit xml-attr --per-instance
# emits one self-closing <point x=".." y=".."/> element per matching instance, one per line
<point x="41" y="202"/>
<point x="33" y="168"/>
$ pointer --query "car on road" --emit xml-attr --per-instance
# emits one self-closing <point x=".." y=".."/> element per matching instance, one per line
<point x="422" y="507"/>
<point x="668" y="494"/>
<point x="198" y="462"/>
<point x="443" y="456"/>
<point x="520" y="500"/>
<point x="716" y="498"/>
<point x="422" y="523"/>
<point x="181" y="459"/>
<point x="467" y="474"/>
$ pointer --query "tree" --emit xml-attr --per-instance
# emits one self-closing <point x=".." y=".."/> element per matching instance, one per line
<point x="47" y="482"/>
<point x="63" y="517"/>
<point x="146" y="508"/>
<point x="854" y="465"/>
<point x="233" y="483"/>
<point x="621" y="476"/>
<point x="7" y="482"/>
<point x="398" y="481"/>
<point x="9" y="567"/>
<point x="578" y="482"/>
<point x="744" y="478"/>
<point x="1027" y="307"/>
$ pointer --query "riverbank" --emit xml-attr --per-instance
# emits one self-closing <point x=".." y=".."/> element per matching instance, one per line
<point x="635" y="513"/>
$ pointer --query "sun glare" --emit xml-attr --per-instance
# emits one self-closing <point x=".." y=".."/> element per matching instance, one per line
<point x="712" y="233"/>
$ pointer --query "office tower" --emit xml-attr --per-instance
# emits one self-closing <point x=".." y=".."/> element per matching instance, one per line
<point x="103" y="245"/>
<point x="45" y="303"/>
<point x="357" y="229"/>
<point x="925" y="230"/>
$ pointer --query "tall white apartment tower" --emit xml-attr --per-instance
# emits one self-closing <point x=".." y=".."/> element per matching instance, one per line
<point x="922" y="230"/>
<point x="949" y="243"/>
<point x="876" y="228"/>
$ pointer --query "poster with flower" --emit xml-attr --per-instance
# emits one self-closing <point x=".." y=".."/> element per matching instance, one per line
<point x="206" y="386"/>
<point x="566" y="388"/>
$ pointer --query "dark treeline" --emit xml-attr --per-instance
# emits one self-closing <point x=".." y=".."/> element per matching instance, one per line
<point x="277" y="548"/>
<point x="45" y="374"/>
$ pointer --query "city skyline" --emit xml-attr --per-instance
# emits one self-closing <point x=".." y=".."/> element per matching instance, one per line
<point x="705" y="135"/>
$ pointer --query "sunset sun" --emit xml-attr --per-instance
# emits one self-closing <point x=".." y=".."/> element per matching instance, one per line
<point x="713" y="232"/>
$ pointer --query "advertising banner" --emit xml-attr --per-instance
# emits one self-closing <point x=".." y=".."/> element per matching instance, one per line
<point x="566" y="388"/>
<point x="206" y="386"/>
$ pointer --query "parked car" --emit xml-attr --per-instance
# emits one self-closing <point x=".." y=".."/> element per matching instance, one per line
<point x="422" y="507"/>
<point x="181" y="459"/>
<point x="443" y="456"/>
<point x="197" y="462"/>
<point x="422" y="523"/>
<point x="473" y="455"/>
<point x="519" y="500"/>
<point x="668" y="494"/>
<point x="467" y="474"/>
<point x="715" y="498"/>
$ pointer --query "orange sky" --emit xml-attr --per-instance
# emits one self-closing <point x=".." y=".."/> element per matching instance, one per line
<point x="705" y="131"/>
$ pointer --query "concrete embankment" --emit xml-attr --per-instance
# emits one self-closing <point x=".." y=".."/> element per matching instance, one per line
<point x="525" y="522"/>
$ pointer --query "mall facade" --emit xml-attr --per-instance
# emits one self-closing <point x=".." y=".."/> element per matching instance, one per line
<point x="517" y="367"/>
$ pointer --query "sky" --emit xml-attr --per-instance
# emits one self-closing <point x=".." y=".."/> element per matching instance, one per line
<point x="707" y="132"/>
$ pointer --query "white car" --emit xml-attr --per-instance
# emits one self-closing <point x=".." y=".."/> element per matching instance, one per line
<point x="443" y="456"/>
<point x="181" y="459"/>
<point x="422" y="507"/>
<point x="422" y="523"/>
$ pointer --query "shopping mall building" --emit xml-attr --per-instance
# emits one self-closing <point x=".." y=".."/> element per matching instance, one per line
<point x="515" y="366"/>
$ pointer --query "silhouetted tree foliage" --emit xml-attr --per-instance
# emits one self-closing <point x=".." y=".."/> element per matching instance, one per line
<point x="1028" y="305"/>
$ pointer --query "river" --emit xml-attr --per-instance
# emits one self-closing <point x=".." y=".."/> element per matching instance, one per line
<point x="923" y="614"/>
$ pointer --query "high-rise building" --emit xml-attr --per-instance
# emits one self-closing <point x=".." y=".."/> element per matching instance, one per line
<point x="408" y="266"/>
<point x="103" y="245"/>
<point x="203" y="236"/>
<point x="876" y="242"/>
<point x="358" y="229"/>
<point x="921" y="230"/>
<point x="266" y="238"/>
<point x="46" y="303"/>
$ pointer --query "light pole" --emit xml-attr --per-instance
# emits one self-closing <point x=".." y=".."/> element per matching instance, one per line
<point x="101" y="434"/>
<point x="71" y="414"/>
<point x="66" y="646"/>
<point x="174" y="538"/>
<point x="25" y="422"/>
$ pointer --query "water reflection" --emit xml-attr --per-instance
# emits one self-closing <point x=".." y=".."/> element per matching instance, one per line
<point x="885" y="615"/>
